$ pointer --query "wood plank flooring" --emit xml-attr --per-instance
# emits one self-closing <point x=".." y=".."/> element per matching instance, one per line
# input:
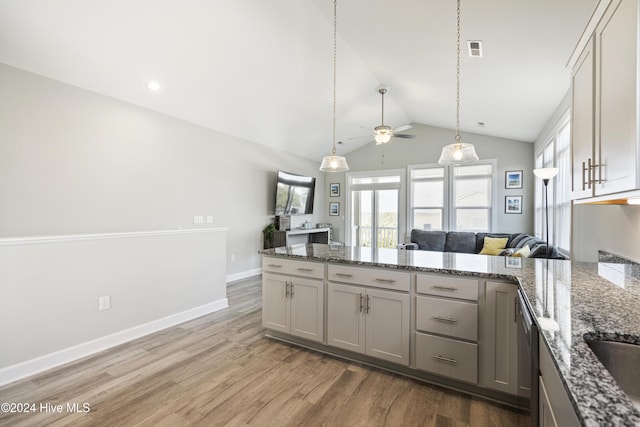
<point x="220" y="370"/>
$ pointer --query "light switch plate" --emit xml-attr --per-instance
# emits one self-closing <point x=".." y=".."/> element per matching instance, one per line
<point x="198" y="219"/>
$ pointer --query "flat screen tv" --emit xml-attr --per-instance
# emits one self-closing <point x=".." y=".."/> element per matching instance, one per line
<point x="294" y="194"/>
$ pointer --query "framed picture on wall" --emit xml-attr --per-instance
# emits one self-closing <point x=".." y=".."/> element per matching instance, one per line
<point x="513" y="179"/>
<point x="334" y="190"/>
<point x="334" y="208"/>
<point x="513" y="204"/>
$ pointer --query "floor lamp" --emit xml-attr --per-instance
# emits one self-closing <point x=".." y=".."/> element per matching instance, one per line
<point x="546" y="174"/>
<point x="546" y="322"/>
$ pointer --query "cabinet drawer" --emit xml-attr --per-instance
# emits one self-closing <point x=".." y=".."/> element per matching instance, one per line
<point x="447" y="286"/>
<point x="397" y="280"/>
<point x="447" y="357"/>
<point x="309" y="269"/>
<point x="447" y="317"/>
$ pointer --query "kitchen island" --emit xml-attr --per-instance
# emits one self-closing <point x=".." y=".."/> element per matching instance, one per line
<point x="569" y="300"/>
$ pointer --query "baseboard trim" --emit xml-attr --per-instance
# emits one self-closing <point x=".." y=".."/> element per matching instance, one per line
<point x="39" y="364"/>
<point x="243" y="275"/>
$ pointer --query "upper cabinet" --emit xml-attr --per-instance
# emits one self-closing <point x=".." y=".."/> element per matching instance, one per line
<point x="604" y="121"/>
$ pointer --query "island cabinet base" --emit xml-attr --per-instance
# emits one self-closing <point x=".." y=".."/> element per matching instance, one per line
<point x="423" y="376"/>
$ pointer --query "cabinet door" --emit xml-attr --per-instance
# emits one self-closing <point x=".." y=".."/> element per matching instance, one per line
<point x="545" y="412"/>
<point x="307" y="305"/>
<point x="616" y="76"/>
<point x="387" y="325"/>
<point x="275" y="303"/>
<point x="582" y="123"/>
<point x="500" y="325"/>
<point x="346" y="317"/>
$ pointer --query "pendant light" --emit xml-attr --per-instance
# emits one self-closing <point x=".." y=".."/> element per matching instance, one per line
<point x="458" y="153"/>
<point x="334" y="163"/>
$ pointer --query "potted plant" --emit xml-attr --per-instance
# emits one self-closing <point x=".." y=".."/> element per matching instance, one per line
<point x="268" y="232"/>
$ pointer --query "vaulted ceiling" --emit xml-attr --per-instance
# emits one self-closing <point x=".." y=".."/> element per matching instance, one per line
<point x="262" y="70"/>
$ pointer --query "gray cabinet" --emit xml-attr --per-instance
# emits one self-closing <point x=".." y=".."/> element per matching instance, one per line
<point x="500" y="330"/>
<point x="555" y="409"/>
<point x="292" y="303"/>
<point x="446" y="326"/>
<point x="369" y="320"/>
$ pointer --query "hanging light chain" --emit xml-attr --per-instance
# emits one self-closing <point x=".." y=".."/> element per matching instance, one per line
<point x="458" y="78"/>
<point x="335" y="26"/>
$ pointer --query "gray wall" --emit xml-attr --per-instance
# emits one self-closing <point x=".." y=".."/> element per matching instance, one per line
<point x="73" y="162"/>
<point x="426" y="148"/>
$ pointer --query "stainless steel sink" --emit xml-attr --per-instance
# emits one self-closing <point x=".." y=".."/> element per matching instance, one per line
<point x="622" y="360"/>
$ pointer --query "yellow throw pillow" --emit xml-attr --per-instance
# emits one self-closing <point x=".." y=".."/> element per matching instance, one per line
<point x="494" y="245"/>
<point x="523" y="252"/>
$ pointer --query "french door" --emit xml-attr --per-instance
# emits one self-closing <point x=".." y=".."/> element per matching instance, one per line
<point x="375" y="209"/>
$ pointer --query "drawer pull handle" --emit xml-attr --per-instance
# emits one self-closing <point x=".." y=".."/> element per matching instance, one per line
<point x="274" y="265"/>
<point x="445" y="359"/>
<point x="305" y="269"/>
<point x="385" y="280"/>
<point x="446" y="288"/>
<point x="344" y="275"/>
<point x="445" y="319"/>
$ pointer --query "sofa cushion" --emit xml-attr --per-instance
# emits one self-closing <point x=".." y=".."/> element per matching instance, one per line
<point x="429" y="240"/>
<point x="494" y="245"/>
<point x="480" y="239"/>
<point x="460" y="241"/>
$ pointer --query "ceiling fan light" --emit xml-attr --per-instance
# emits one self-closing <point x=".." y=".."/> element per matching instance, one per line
<point x="334" y="164"/>
<point x="382" y="138"/>
<point x="458" y="154"/>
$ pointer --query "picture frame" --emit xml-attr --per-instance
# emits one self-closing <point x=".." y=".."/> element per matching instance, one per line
<point x="513" y="204"/>
<point x="334" y="189"/>
<point x="513" y="179"/>
<point x="334" y="208"/>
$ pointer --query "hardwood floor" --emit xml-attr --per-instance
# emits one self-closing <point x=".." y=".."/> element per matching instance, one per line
<point x="220" y="370"/>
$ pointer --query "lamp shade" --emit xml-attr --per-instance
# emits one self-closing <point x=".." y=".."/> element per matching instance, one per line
<point x="382" y="138"/>
<point x="334" y="164"/>
<point x="458" y="154"/>
<point x="545" y="173"/>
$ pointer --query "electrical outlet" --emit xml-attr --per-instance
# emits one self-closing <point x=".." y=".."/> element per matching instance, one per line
<point x="233" y="258"/>
<point x="198" y="219"/>
<point x="104" y="303"/>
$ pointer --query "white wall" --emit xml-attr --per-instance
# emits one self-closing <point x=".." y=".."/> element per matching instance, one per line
<point x="426" y="148"/>
<point x="51" y="287"/>
<point x="74" y="162"/>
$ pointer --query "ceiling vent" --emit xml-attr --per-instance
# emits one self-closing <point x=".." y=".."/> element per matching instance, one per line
<point x="475" y="48"/>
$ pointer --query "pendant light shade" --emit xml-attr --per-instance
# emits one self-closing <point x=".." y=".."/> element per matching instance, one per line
<point x="334" y="163"/>
<point x="458" y="153"/>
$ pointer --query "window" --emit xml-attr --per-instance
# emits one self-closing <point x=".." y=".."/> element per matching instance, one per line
<point x="556" y="153"/>
<point x="452" y="198"/>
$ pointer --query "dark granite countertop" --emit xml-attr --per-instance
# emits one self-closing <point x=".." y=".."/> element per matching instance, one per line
<point x="575" y="299"/>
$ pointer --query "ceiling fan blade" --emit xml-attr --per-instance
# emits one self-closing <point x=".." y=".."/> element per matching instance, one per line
<point x="402" y="128"/>
<point x="403" y="135"/>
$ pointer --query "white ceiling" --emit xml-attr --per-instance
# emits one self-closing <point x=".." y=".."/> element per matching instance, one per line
<point x="262" y="70"/>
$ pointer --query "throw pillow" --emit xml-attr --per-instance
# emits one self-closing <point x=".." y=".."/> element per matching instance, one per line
<point x="523" y="252"/>
<point x="494" y="245"/>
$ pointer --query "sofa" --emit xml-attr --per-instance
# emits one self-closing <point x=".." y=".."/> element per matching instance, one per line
<point x="472" y="243"/>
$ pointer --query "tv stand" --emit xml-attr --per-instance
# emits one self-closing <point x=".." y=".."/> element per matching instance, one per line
<point x="301" y="235"/>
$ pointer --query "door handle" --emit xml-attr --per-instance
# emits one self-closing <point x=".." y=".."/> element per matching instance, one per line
<point x="361" y="302"/>
<point x="286" y="290"/>
<point x="368" y="307"/>
<point x="291" y="290"/>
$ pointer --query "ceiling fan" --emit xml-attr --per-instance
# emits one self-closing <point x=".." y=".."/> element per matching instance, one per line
<point x="383" y="133"/>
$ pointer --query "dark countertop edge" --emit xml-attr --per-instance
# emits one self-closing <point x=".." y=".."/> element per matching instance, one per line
<point x="584" y="412"/>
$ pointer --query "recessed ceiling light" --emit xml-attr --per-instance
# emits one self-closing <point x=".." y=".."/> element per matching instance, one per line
<point x="154" y="86"/>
